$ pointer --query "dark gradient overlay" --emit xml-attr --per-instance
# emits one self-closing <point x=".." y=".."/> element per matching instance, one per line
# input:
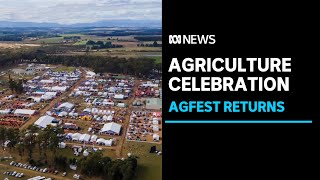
<point x="243" y="151"/>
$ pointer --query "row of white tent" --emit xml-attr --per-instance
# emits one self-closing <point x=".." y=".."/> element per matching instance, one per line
<point x="99" y="111"/>
<point x="86" y="138"/>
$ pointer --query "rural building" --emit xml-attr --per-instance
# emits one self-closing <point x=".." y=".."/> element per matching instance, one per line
<point x="154" y="103"/>
<point x="111" y="128"/>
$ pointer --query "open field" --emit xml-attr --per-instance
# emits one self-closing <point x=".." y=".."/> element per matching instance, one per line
<point x="149" y="165"/>
<point x="64" y="69"/>
<point x="84" y="39"/>
<point x="10" y="45"/>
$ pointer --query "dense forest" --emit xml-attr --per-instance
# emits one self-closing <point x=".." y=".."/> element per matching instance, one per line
<point x="141" y="67"/>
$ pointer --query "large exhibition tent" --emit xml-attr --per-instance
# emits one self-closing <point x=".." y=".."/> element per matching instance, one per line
<point x="111" y="128"/>
<point x="44" y="121"/>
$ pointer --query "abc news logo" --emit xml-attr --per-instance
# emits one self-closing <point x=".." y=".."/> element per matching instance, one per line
<point x="192" y="39"/>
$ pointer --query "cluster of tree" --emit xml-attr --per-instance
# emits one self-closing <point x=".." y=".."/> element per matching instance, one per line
<point x="102" y="45"/>
<point x="148" y="38"/>
<point x="20" y="34"/>
<point x="47" y="140"/>
<point x="97" y="165"/>
<point x="154" y="44"/>
<point x="16" y="86"/>
<point x="71" y="37"/>
<point x="9" y="134"/>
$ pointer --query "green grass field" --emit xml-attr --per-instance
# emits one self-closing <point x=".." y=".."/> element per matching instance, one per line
<point x="53" y="40"/>
<point x="149" y="165"/>
<point x="64" y="68"/>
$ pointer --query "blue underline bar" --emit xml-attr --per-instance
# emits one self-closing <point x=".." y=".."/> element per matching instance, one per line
<point x="238" y="121"/>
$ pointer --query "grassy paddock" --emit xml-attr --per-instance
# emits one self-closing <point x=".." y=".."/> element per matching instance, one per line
<point x="149" y="165"/>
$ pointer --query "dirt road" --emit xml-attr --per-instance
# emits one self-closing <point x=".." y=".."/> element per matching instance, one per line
<point x="120" y="147"/>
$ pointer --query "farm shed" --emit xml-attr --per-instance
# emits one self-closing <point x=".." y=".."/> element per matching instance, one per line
<point x="111" y="128"/>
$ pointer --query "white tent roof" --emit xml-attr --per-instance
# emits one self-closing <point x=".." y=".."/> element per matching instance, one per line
<point x="93" y="138"/>
<point x="66" y="105"/>
<point x="108" y="142"/>
<point x="84" y="137"/>
<point x="119" y="96"/>
<point x="105" y="142"/>
<point x="76" y="136"/>
<point x="114" y="127"/>
<point x="59" y="88"/>
<point x="52" y="94"/>
<point x="6" y="111"/>
<point x="24" y="111"/>
<point x="46" y="81"/>
<point x="44" y="121"/>
<point x="156" y="137"/>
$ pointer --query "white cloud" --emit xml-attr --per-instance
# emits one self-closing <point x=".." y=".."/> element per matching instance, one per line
<point x="78" y="11"/>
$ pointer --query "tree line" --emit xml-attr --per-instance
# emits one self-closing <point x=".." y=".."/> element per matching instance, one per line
<point x="16" y="86"/>
<point x="102" y="45"/>
<point x="141" y="67"/>
<point x="154" y="44"/>
<point x="47" y="141"/>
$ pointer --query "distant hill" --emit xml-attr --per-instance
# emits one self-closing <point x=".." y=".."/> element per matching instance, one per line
<point x="104" y="23"/>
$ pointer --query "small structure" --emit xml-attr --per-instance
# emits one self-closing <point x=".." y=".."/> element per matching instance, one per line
<point x="62" y="145"/>
<point x="156" y="137"/>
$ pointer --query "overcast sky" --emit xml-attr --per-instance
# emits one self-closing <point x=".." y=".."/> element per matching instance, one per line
<point x="78" y="11"/>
